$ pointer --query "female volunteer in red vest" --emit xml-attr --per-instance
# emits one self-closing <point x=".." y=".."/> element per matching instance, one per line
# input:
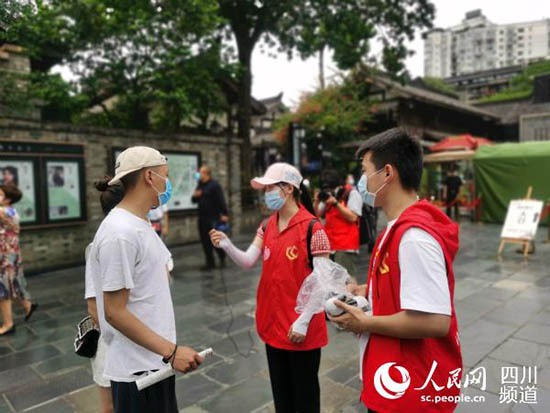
<point x="342" y="212"/>
<point x="293" y="344"/>
<point x="411" y="362"/>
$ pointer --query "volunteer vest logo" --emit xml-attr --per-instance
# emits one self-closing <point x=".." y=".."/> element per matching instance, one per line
<point x="388" y="387"/>
<point x="292" y="253"/>
<point x="384" y="267"/>
<point x="267" y="253"/>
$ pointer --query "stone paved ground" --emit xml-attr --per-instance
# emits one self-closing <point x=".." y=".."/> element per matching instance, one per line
<point x="503" y="308"/>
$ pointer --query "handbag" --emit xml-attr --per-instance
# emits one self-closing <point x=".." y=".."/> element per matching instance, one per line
<point x="87" y="336"/>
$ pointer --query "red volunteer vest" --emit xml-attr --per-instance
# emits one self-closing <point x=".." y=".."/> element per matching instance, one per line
<point x="284" y="269"/>
<point x="414" y="355"/>
<point x="342" y="234"/>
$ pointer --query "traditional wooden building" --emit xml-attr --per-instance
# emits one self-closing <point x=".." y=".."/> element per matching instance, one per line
<point x="431" y="115"/>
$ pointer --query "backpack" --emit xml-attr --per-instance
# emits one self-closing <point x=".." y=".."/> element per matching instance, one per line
<point x="367" y="227"/>
<point x="309" y="236"/>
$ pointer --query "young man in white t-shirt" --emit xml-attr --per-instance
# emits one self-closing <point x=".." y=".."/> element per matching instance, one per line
<point x="128" y="263"/>
<point x="413" y="330"/>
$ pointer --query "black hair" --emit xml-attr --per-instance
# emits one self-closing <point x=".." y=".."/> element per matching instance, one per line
<point x="12" y="193"/>
<point x="302" y="196"/>
<point x="131" y="180"/>
<point x="111" y="195"/>
<point x="400" y="149"/>
<point x="13" y="171"/>
<point x="331" y="179"/>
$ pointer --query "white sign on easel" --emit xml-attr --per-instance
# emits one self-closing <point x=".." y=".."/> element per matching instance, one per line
<point x="522" y="219"/>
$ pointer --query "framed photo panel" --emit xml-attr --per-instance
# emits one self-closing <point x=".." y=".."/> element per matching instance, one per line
<point x="182" y="167"/>
<point x="65" y="189"/>
<point x="50" y="176"/>
<point x="22" y="172"/>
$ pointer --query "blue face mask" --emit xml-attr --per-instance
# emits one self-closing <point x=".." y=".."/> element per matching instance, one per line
<point x="273" y="200"/>
<point x="369" y="198"/>
<point x="197" y="176"/>
<point x="165" y="196"/>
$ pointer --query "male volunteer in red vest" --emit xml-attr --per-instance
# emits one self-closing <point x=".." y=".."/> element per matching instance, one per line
<point x="342" y="211"/>
<point x="410" y="358"/>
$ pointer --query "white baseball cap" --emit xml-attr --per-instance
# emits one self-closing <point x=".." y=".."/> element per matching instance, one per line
<point x="278" y="172"/>
<point x="136" y="158"/>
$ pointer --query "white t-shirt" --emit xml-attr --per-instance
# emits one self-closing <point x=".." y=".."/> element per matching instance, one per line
<point x="355" y="202"/>
<point x="127" y="254"/>
<point x="157" y="214"/>
<point x="424" y="285"/>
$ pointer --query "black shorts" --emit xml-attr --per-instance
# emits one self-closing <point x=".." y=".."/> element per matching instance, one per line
<point x="160" y="397"/>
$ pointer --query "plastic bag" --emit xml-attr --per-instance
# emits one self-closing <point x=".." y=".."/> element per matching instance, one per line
<point x="326" y="280"/>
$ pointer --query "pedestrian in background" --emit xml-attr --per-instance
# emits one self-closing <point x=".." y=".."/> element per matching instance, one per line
<point x="12" y="280"/>
<point x="453" y="182"/>
<point x="212" y="211"/>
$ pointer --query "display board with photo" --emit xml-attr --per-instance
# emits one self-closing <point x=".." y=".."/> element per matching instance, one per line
<point x="182" y="167"/>
<point x="64" y="190"/>
<point x="21" y="173"/>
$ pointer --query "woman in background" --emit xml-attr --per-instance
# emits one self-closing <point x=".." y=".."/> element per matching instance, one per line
<point x="12" y="280"/>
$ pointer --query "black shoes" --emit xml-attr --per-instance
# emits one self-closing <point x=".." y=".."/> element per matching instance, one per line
<point x="34" y="306"/>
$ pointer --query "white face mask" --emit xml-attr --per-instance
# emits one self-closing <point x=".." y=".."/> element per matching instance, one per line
<point x="369" y="198"/>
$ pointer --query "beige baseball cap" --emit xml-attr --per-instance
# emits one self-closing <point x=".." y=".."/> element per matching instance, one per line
<point x="278" y="172"/>
<point x="136" y="158"/>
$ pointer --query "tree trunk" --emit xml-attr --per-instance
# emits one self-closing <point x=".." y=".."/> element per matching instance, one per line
<point x="244" y="111"/>
<point x="322" y="67"/>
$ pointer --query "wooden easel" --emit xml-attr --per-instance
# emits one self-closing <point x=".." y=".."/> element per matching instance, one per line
<point x="524" y="242"/>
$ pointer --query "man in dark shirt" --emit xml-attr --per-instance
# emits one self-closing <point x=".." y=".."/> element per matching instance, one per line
<point x="452" y="188"/>
<point x="212" y="210"/>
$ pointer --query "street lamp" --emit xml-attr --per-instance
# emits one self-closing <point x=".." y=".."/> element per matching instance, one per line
<point x="320" y="147"/>
<point x="298" y="134"/>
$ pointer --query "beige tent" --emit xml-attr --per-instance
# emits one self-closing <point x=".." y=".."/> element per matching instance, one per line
<point x="449" y="156"/>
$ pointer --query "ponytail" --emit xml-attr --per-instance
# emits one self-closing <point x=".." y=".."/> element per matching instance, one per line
<point x="111" y="195"/>
<point x="303" y="196"/>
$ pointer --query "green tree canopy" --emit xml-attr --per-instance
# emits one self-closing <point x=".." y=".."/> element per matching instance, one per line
<point x="332" y="116"/>
<point x="346" y="27"/>
<point x="144" y="63"/>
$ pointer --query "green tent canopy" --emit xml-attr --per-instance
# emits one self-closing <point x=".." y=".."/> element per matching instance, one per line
<point x="504" y="172"/>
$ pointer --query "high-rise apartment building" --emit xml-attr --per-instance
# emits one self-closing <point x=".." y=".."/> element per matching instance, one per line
<point x="477" y="44"/>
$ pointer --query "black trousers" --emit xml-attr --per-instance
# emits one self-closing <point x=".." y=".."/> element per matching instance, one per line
<point x="160" y="397"/>
<point x="205" y="226"/>
<point x="295" y="380"/>
<point x="450" y="209"/>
